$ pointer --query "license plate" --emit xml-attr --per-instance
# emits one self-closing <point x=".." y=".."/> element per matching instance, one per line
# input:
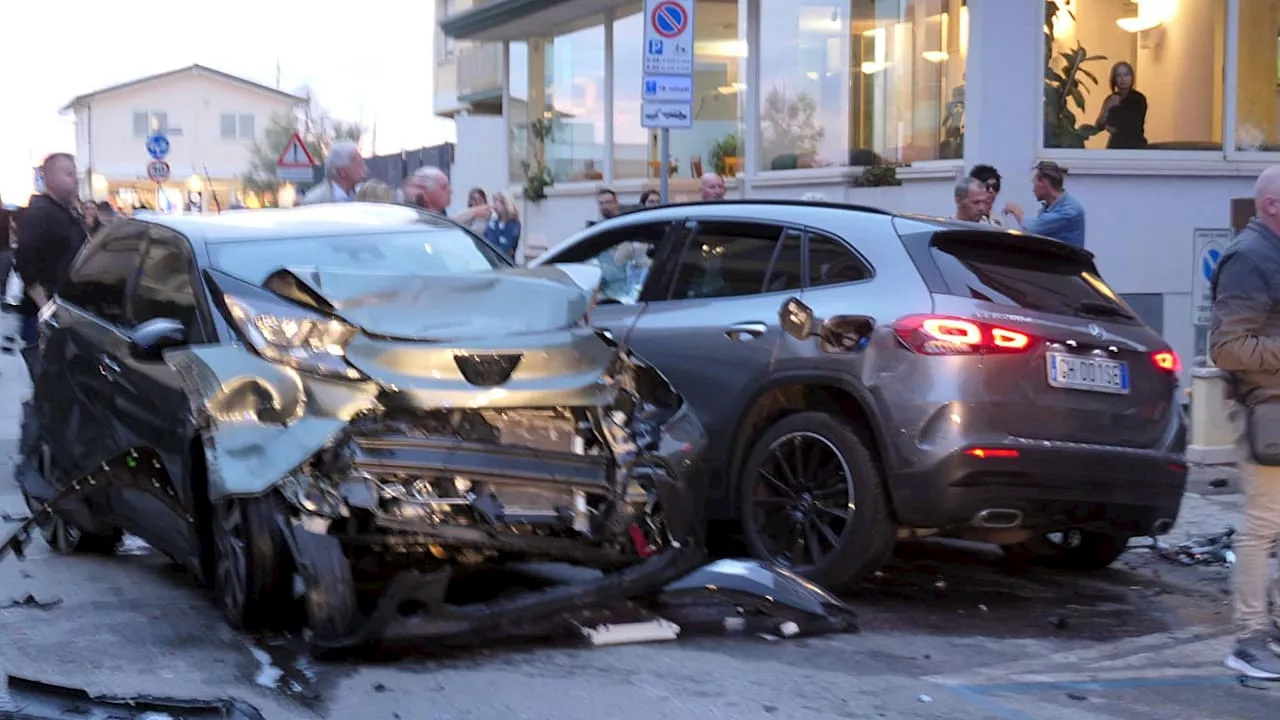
<point x="1092" y="374"/>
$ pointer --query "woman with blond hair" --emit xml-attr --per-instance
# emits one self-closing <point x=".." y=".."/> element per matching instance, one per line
<point x="503" y="231"/>
<point x="375" y="191"/>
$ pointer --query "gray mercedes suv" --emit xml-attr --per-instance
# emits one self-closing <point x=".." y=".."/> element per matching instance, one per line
<point x="865" y="377"/>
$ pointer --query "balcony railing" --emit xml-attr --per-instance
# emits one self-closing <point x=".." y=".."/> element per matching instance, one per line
<point x="479" y="69"/>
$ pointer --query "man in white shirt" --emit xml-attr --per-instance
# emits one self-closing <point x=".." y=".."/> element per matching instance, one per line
<point x="343" y="171"/>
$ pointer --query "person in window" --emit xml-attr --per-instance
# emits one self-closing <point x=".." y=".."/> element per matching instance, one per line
<point x="503" y="231"/>
<point x="51" y="234"/>
<point x="1124" y="113"/>
<point x="1061" y="216"/>
<point x="650" y="198"/>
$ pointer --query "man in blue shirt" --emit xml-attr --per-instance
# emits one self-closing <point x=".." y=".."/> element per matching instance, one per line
<point x="1061" y="216"/>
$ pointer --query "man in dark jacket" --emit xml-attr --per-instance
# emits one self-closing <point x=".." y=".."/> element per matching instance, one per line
<point x="51" y="235"/>
<point x="1244" y="340"/>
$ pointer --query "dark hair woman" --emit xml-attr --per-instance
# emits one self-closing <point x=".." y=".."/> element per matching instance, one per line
<point x="650" y="198"/>
<point x="1124" y="113"/>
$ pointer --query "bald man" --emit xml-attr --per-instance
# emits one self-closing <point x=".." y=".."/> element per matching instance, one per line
<point x="712" y="187"/>
<point x="1244" y="340"/>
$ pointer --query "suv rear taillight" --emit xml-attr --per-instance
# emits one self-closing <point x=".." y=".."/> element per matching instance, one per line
<point x="940" y="335"/>
<point x="1167" y="360"/>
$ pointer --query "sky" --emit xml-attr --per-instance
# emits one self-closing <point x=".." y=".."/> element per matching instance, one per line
<point x="363" y="61"/>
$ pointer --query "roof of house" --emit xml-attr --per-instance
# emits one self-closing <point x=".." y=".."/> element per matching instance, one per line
<point x="193" y="69"/>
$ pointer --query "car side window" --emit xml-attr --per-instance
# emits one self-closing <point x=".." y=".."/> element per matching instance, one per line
<point x="787" y="272"/>
<point x="164" y="288"/>
<point x="831" y="262"/>
<point x="726" y="259"/>
<point x="624" y="255"/>
<point x="100" y="279"/>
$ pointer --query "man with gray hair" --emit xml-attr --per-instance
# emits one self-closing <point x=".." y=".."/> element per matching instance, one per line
<point x="971" y="200"/>
<point x="343" y="171"/>
<point x="1244" y="341"/>
<point x="429" y="188"/>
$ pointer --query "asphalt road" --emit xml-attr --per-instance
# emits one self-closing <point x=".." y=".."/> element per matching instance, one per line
<point x="946" y="633"/>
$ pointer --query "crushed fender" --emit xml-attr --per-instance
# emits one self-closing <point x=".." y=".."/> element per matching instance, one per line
<point x="35" y="700"/>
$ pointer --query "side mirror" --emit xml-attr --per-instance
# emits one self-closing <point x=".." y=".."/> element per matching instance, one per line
<point x="796" y="319"/>
<point x="152" y="337"/>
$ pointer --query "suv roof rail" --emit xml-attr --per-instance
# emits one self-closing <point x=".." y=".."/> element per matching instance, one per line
<point x="768" y="201"/>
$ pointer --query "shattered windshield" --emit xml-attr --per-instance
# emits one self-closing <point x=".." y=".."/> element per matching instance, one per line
<point x="411" y="253"/>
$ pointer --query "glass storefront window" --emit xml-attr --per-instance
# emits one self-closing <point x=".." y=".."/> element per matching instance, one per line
<point x="861" y="82"/>
<point x="714" y="143"/>
<point x="1258" y="76"/>
<point x="1141" y="75"/>
<point x="518" y="108"/>
<point x="565" y="83"/>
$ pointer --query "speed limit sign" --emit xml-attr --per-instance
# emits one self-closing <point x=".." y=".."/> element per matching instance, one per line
<point x="158" y="170"/>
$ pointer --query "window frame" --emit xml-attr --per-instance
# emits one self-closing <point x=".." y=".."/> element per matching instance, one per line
<point x="1134" y="159"/>
<point x="670" y="260"/>
<point x="1231" y="96"/>
<point x="847" y="246"/>
<point x="602" y="241"/>
<point x="222" y="128"/>
<point x="158" y="235"/>
<point x="118" y="231"/>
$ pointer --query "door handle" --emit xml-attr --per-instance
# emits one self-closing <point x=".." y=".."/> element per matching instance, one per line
<point x="108" y="367"/>
<point x="745" y="331"/>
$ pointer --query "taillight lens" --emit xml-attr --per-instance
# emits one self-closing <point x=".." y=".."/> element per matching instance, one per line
<point x="985" y="453"/>
<point x="939" y="335"/>
<point x="1167" y="360"/>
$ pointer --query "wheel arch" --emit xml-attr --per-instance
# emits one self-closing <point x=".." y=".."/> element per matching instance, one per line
<point x="788" y="393"/>
<point x="198" y="473"/>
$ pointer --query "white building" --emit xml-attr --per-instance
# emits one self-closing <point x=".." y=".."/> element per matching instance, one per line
<point x="937" y="85"/>
<point x="211" y="119"/>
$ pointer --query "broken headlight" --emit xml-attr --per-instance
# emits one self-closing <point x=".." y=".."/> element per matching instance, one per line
<point x="282" y="331"/>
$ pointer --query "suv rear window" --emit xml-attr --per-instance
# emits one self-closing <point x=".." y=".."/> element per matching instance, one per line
<point x="1025" y="277"/>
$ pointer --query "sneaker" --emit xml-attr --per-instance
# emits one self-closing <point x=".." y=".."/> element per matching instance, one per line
<point x="1256" y="657"/>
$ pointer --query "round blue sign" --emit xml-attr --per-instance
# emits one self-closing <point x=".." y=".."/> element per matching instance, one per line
<point x="1209" y="263"/>
<point x="157" y="146"/>
<point x="669" y="19"/>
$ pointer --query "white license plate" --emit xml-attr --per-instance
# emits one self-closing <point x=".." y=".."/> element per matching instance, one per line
<point x="1093" y="374"/>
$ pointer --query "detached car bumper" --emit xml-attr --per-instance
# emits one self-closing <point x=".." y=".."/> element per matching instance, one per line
<point x="1045" y="486"/>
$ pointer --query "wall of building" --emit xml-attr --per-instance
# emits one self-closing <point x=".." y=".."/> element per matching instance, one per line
<point x="478" y="168"/>
<point x="193" y="103"/>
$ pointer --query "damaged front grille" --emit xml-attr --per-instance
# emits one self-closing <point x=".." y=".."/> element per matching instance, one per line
<point x="467" y="477"/>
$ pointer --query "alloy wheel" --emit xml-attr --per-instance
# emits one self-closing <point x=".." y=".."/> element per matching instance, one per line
<point x="231" y="570"/>
<point x="804" y="499"/>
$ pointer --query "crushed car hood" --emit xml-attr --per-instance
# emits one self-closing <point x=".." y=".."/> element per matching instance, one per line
<point x="451" y="307"/>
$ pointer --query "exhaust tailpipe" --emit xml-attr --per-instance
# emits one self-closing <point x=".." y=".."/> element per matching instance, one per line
<point x="1003" y="518"/>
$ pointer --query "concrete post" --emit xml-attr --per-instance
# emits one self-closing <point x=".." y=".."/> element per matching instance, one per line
<point x="1212" y="439"/>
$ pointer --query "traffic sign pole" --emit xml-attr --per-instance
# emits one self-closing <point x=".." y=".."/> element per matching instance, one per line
<point x="664" y="162"/>
<point x="667" y="70"/>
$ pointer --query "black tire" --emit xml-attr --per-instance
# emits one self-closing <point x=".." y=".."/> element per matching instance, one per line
<point x="330" y="593"/>
<point x="1081" y="550"/>
<point x="252" y="567"/>
<point x="799" y="505"/>
<point x="66" y="538"/>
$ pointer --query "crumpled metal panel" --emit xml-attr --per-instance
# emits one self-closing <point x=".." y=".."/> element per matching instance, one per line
<point x="261" y="420"/>
<point x="471" y="306"/>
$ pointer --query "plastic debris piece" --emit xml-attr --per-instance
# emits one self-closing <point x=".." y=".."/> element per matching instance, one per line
<point x="1077" y="696"/>
<point x="30" y="601"/>
<point x="1213" y="549"/>
<point x="925" y="699"/>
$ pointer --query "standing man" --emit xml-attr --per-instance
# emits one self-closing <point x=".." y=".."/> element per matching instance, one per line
<point x="607" y="203"/>
<point x="51" y="235"/>
<point x="1244" y="340"/>
<point x="971" y="200"/>
<point x="343" y="171"/>
<point x="1061" y="215"/>
<point x="429" y="188"/>
<point x="712" y="187"/>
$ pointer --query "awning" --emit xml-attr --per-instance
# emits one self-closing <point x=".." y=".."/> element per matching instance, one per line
<point x="524" y="19"/>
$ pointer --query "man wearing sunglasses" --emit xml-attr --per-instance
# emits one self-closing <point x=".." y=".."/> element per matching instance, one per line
<point x="989" y="178"/>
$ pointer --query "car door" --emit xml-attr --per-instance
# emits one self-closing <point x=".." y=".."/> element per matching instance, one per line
<point x="627" y="257"/>
<point x="74" y="391"/>
<point x="147" y="399"/>
<point x="715" y="328"/>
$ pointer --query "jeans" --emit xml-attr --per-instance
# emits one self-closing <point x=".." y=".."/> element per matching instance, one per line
<point x="1256" y="587"/>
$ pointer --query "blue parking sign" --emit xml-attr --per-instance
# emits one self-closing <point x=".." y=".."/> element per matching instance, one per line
<point x="655" y="47"/>
<point x="650" y="87"/>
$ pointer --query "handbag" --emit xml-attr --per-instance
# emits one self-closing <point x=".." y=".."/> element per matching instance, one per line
<point x="1262" y="429"/>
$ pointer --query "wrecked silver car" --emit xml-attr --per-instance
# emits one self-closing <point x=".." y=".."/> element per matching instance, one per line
<point x="330" y="413"/>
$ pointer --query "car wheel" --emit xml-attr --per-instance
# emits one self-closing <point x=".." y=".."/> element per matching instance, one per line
<point x="1073" y="549"/>
<point x="811" y="498"/>
<point x="252" y="575"/>
<point x="66" y="538"/>
<point x="330" y="594"/>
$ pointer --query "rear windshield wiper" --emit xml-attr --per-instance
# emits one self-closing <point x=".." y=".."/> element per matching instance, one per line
<point x="1104" y="309"/>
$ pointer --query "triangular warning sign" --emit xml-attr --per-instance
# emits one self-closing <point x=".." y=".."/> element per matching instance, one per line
<point x="295" y="154"/>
